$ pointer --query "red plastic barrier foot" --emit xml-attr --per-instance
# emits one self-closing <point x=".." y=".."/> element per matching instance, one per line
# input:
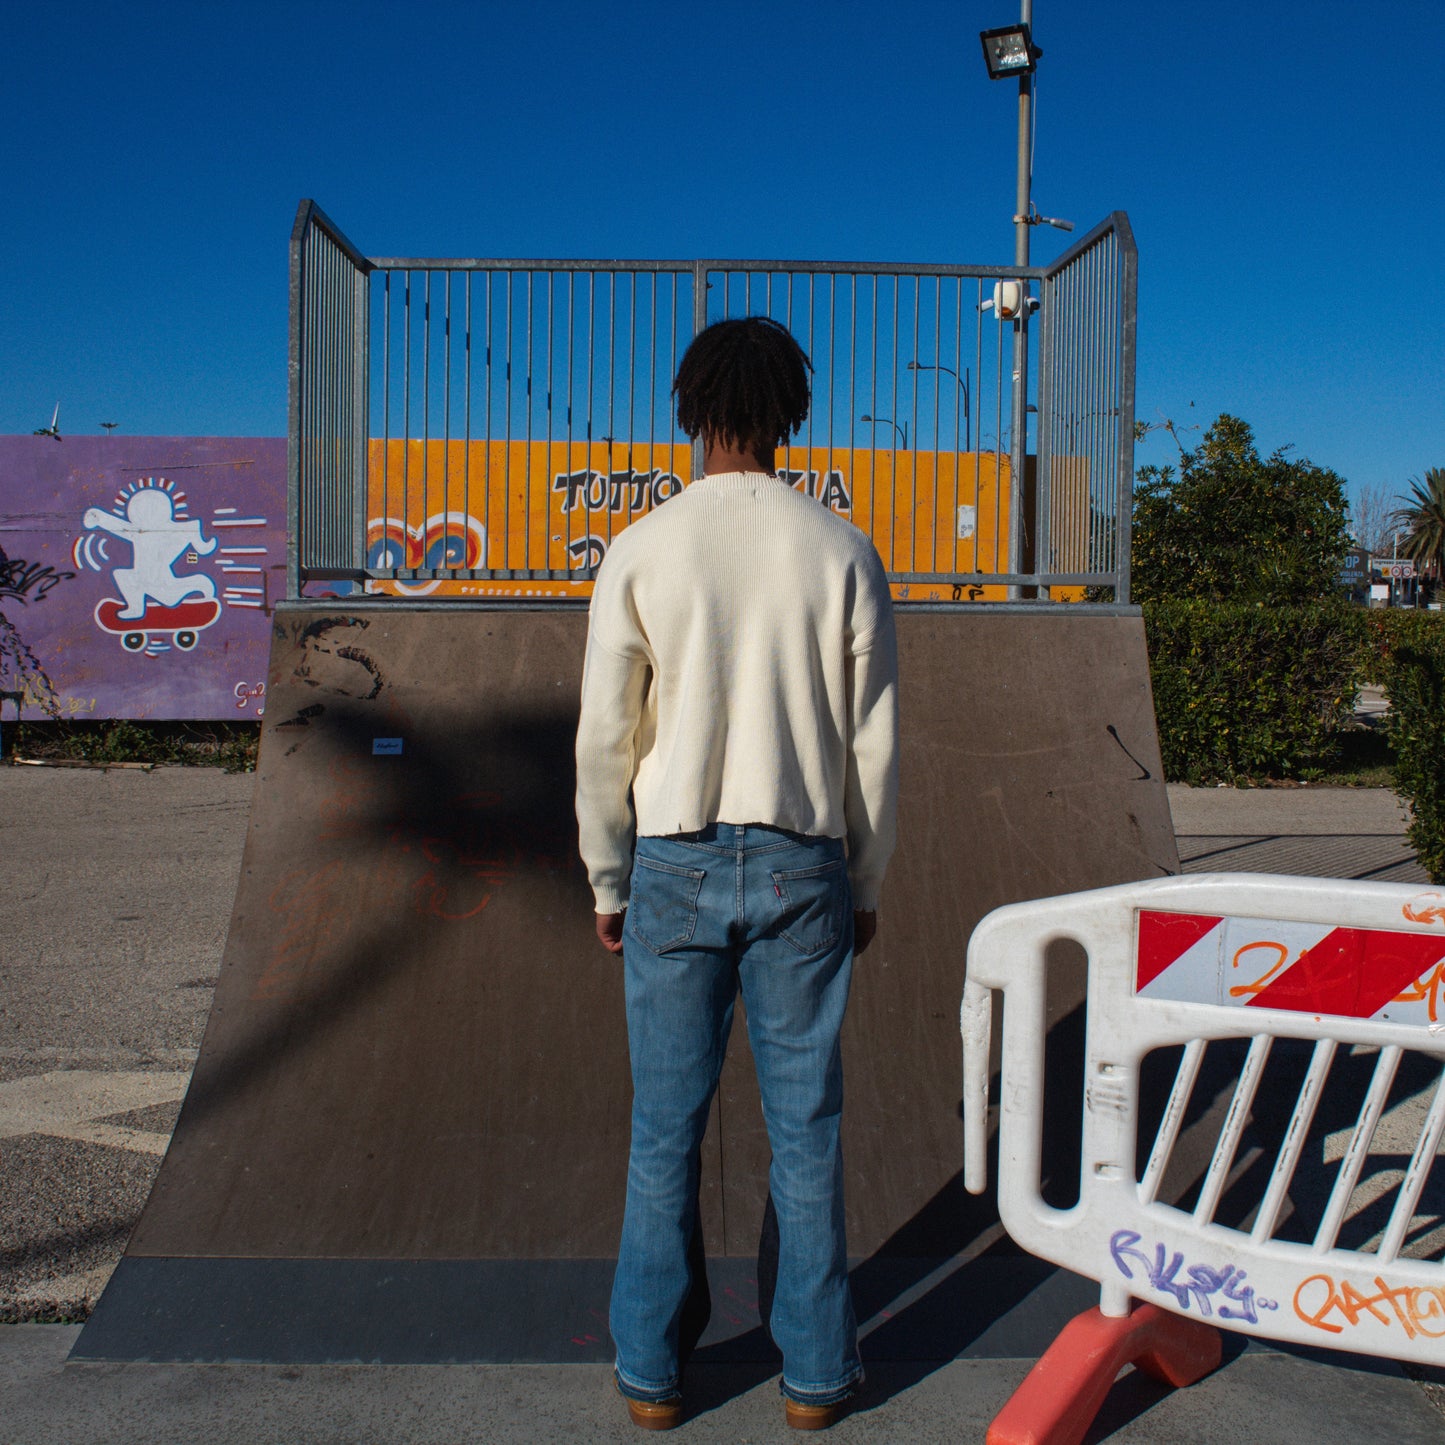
<point x="1058" y="1400"/>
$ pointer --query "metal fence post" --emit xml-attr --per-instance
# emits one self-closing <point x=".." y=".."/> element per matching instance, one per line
<point x="1124" y="523"/>
<point x="360" y="415"/>
<point x="699" y="322"/>
<point x="293" y="399"/>
<point x="1044" y="439"/>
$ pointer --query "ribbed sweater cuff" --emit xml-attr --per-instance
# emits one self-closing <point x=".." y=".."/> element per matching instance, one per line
<point x="609" y="900"/>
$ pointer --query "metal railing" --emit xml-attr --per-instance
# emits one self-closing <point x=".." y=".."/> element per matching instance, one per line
<point x="1087" y="311"/>
<point x="327" y="439"/>
<point x="484" y="427"/>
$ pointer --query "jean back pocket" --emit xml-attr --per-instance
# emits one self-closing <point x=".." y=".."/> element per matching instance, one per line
<point x="815" y="905"/>
<point x="662" y="913"/>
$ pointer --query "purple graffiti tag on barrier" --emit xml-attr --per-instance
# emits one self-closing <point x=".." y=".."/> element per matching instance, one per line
<point x="1200" y="1284"/>
<point x="157" y="560"/>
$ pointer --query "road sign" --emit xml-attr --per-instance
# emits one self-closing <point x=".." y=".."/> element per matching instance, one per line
<point x="1355" y="568"/>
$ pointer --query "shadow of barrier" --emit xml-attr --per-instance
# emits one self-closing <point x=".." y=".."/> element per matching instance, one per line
<point x="406" y="1135"/>
<point x="1318" y="999"/>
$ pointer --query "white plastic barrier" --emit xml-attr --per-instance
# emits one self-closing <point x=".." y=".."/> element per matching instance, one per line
<point x="1183" y="961"/>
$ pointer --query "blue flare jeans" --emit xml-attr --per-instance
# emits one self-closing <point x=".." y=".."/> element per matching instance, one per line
<point x="771" y="912"/>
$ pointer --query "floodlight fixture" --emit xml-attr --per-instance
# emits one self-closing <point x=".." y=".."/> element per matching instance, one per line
<point x="1009" y="50"/>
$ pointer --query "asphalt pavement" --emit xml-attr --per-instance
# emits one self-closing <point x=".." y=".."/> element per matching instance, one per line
<point x="114" y="904"/>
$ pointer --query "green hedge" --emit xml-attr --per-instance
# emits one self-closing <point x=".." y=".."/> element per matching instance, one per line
<point x="1410" y="658"/>
<point x="1392" y="627"/>
<point x="1243" y="691"/>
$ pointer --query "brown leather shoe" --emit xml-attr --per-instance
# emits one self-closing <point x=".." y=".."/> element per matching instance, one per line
<point x="812" y="1417"/>
<point x="654" y="1415"/>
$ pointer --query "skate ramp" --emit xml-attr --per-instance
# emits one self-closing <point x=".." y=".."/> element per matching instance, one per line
<point x="406" y="1134"/>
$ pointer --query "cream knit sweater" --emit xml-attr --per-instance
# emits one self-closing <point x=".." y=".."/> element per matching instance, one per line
<point x="741" y="668"/>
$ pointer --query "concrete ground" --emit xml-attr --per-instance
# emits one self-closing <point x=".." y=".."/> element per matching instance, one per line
<point x="1265" y="1397"/>
<point x="114" y="903"/>
<point x="1316" y="832"/>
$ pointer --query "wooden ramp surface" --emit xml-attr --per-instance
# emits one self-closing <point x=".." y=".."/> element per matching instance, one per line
<point x="417" y="1053"/>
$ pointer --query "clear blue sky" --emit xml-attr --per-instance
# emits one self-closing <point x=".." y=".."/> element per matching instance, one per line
<point x="1281" y="166"/>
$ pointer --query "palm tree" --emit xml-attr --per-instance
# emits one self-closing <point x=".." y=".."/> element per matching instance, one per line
<point x="1423" y="518"/>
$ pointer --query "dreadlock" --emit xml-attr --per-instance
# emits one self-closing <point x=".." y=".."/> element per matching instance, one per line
<point x="743" y="382"/>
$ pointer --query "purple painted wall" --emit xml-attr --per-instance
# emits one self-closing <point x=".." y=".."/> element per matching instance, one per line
<point x="139" y="573"/>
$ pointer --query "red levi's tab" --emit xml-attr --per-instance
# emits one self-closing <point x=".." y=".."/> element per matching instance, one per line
<point x="1352" y="972"/>
<point x="1164" y="937"/>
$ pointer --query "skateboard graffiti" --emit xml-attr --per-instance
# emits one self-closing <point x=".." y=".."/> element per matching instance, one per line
<point x="157" y="624"/>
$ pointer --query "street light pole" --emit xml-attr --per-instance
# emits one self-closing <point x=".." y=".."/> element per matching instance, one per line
<point x="963" y="383"/>
<point x="900" y="427"/>
<point x="1022" y="210"/>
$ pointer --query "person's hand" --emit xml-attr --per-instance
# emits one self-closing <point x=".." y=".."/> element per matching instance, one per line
<point x="865" y="925"/>
<point x="609" y="930"/>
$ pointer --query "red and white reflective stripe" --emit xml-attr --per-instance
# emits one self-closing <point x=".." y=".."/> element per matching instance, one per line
<point x="1361" y="973"/>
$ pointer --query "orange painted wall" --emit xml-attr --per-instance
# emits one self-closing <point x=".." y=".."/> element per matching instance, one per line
<point x="558" y="505"/>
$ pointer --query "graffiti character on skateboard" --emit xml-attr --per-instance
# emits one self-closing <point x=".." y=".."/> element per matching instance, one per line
<point x="155" y="602"/>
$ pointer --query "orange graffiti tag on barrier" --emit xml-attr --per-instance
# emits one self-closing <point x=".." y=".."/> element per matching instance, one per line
<point x="1427" y="908"/>
<point x="1246" y="990"/>
<point x="1419" y="1311"/>
<point x="1426" y="987"/>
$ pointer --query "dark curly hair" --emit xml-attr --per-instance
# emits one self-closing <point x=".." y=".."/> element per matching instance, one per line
<point x="743" y="382"/>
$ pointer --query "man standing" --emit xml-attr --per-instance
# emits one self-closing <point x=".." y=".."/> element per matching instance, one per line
<point x="737" y="761"/>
